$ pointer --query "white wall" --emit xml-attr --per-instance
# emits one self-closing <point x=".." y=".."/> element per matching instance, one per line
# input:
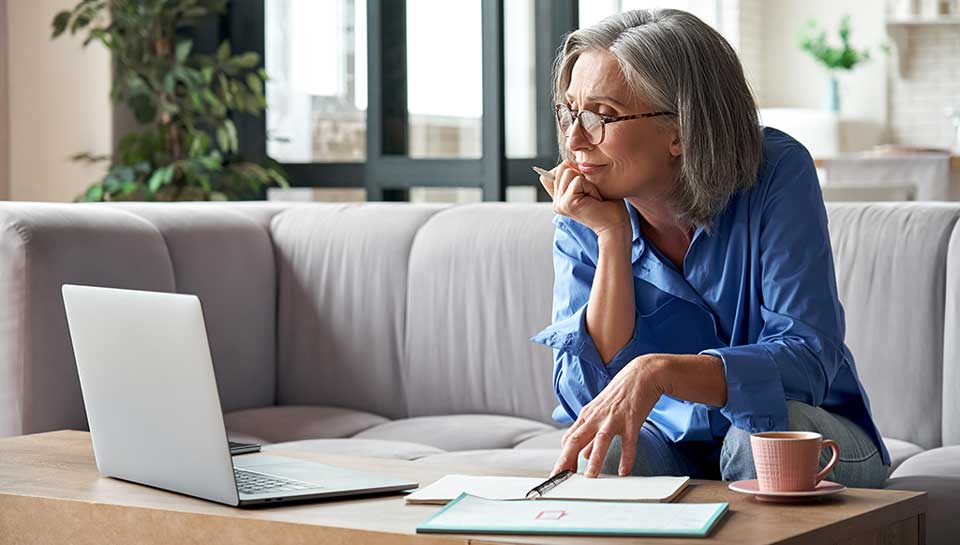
<point x="792" y="78"/>
<point x="4" y="140"/>
<point x="58" y="102"/>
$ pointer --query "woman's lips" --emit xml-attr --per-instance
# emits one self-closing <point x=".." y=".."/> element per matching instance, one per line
<point x="587" y="168"/>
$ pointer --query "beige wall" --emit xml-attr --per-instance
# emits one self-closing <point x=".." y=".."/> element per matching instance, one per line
<point x="791" y="78"/>
<point x="4" y="140"/>
<point x="58" y="102"/>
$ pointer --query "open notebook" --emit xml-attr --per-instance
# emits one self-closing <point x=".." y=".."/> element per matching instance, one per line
<point x="577" y="487"/>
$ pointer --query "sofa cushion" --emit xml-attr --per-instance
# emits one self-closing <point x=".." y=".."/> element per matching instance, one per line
<point x="372" y="448"/>
<point x="890" y="263"/>
<point x="245" y="438"/>
<point x="293" y="422"/>
<point x="341" y="302"/>
<point x="951" y="344"/>
<point x="900" y="451"/>
<point x="549" y="440"/>
<point x="459" y="432"/>
<point x="225" y="258"/>
<point x="521" y="460"/>
<point x="42" y="247"/>
<point x="480" y="284"/>
<point x="944" y="461"/>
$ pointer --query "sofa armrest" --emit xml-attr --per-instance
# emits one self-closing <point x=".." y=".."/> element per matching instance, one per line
<point x="42" y="247"/>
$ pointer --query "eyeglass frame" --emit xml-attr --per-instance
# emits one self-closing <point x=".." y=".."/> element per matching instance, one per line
<point x="604" y="119"/>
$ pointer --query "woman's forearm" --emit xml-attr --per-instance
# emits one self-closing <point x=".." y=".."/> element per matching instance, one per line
<point x="699" y="378"/>
<point x="611" y="310"/>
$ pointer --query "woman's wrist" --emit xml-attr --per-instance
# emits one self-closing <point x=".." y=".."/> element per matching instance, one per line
<point x="697" y="378"/>
<point x="615" y="236"/>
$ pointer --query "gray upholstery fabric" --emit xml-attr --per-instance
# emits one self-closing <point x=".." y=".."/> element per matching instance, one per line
<point x="900" y="451"/>
<point x="549" y="440"/>
<point x="936" y="472"/>
<point x="342" y="295"/>
<point x="292" y="422"/>
<point x="225" y="257"/>
<point x="42" y="247"/>
<point x="951" y="344"/>
<point x="244" y="438"/>
<point x="481" y="280"/>
<point x="458" y="432"/>
<point x="370" y="448"/>
<point x="943" y="461"/>
<point x="890" y="262"/>
<point x="501" y="460"/>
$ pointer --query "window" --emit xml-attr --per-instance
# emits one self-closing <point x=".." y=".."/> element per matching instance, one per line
<point x="315" y="55"/>
<point x="405" y="98"/>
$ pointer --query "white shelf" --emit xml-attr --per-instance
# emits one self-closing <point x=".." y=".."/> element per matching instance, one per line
<point x="923" y="21"/>
<point x="898" y="28"/>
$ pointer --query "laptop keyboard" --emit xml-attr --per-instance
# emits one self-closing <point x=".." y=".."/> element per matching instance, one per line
<point x="251" y="482"/>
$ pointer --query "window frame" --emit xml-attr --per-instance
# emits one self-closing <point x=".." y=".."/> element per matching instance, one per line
<point x="386" y="173"/>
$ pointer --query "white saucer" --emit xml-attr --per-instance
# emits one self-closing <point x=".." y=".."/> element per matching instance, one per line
<point x="825" y="488"/>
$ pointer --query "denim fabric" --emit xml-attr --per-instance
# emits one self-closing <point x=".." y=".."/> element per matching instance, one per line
<point x="860" y="463"/>
<point x="732" y="459"/>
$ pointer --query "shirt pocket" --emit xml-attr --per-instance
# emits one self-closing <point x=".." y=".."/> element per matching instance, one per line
<point x="676" y="326"/>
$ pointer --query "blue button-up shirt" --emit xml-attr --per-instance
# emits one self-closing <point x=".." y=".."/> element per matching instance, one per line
<point x="757" y="290"/>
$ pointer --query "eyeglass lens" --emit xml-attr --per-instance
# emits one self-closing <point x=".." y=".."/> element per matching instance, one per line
<point x="589" y="121"/>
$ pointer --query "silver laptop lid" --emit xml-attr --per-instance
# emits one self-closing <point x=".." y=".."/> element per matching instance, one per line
<point x="149" y="390"/>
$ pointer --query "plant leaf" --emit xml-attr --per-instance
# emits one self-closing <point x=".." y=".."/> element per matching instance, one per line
<point x="60" y="23"/>
<point x="183" y="50"/>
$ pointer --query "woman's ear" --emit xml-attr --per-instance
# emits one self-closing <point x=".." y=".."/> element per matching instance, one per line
<point x="676" y="149"/>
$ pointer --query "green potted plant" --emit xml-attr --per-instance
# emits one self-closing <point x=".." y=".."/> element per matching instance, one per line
<point x="813" y="40"/>
<point x="185" y="146"/>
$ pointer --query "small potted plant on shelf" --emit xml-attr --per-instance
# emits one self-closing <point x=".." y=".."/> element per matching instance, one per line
<point x="185" y="146"/>
<point x="813" y="40"/>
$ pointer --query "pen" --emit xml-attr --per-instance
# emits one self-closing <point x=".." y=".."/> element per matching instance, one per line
<point x="551" y="483"/>
<point x="543" y="172"/>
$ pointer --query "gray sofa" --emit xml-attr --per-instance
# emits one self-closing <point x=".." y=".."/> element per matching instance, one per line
<point x="398" y="330"/>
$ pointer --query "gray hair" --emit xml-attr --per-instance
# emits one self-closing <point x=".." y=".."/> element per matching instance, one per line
<point x="676" y="62"/>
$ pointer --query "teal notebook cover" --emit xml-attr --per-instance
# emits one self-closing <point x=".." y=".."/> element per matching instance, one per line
<point x="475" y="515"/>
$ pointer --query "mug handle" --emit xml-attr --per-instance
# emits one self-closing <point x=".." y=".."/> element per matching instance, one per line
<point x="833" y="460"/>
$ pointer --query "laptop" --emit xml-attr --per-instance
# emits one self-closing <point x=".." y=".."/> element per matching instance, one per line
<point x="154" y="412"/>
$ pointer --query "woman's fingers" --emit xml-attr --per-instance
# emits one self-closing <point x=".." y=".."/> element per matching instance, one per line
<point x="566" y="176"/>
<point x="572" y="446"/>
<point x="601" y="443"/>
<point x="628" y="450"/>
<point x="587" y="450"/>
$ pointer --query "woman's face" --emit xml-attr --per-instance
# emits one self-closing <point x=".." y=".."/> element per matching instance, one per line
<point x="637" y="157"/>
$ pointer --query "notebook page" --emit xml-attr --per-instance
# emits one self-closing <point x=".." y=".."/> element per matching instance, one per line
<point x="614" y="488"/>
<point x="494" y="488"/>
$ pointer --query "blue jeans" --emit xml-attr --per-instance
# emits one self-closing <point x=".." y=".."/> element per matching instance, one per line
<point x="860" y="464"/>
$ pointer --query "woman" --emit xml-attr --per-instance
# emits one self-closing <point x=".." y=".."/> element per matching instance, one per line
<point x="695" y="299"/>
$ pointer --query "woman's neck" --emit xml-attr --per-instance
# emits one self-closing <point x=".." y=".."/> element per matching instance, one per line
<point x="661" y="227"/>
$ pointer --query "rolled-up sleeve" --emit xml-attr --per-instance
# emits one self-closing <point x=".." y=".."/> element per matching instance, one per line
<point x="579" y="373"/>
<point x="800" y="346"/>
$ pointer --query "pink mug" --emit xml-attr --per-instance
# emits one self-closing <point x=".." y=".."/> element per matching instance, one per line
<point x="787" y="461"/>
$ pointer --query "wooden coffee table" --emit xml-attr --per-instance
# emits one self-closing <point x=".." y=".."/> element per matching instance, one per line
<point x="50" y="492"/>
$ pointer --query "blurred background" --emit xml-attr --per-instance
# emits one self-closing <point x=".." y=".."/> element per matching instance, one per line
<point x="449" y="101"/>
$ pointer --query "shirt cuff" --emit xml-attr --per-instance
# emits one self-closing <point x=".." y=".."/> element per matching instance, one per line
<point x="570" y="335"/>
<point x="755" y="398"/>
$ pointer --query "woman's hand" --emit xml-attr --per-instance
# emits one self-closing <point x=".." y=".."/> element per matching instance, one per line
<point x="620" y="409"/>
<point x="578" y="199"/>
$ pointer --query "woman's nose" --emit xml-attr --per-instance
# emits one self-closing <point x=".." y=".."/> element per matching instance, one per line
<point x="576" y="137"/>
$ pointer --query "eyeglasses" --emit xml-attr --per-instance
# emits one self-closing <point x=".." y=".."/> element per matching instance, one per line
<point x="593" y="124"/>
